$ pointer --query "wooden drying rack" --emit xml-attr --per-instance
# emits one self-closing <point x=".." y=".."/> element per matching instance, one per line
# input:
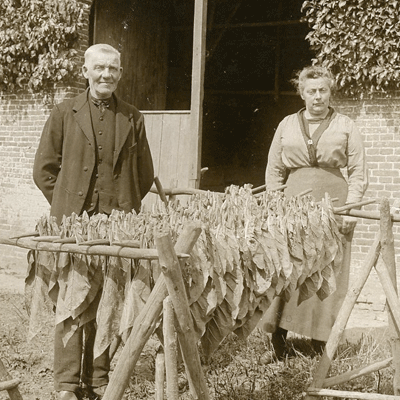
<point x="169" y="288"/>
<point x="169" y="297"/>
<point x="383" y="246"/>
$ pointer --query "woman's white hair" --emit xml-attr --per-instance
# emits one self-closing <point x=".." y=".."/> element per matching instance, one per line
<point x="313" y="72"/>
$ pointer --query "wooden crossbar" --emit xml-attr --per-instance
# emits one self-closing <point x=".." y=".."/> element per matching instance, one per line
<point x="112" y="250"/>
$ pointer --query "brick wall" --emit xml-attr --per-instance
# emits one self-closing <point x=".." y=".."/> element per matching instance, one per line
<point x="22" y="117"/>
<point x="378" y="121"/>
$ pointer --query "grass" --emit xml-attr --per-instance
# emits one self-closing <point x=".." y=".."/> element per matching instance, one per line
<point x="234" y="372"/>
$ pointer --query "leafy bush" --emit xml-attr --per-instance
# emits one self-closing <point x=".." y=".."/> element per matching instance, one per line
<point x="37" y="43"/>
<point x="359" y="41"/>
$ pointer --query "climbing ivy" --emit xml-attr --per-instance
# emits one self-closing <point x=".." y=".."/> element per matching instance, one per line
<point x="359" y="40"/>
<point x="37" y="43"/>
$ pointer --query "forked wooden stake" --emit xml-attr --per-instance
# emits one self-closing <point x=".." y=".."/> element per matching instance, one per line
<point x="384" y="245"/>
<point x="145" y="323"/>
<point x="170" y="350"/>
<point x="388" y="280"/>
<point x="341" y="321"/>
<point x="186" y="335"/>
<point x="9" y="384"/>
<point x="160" y="374"/>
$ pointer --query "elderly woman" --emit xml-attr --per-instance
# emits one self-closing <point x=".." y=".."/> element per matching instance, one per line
<point x="308" y="151"/>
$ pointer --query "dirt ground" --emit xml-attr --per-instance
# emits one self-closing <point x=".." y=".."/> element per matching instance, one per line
<point x="30" y="362"/>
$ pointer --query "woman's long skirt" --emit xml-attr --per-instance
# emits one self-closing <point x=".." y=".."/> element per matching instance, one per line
<point x="314" y="318"/>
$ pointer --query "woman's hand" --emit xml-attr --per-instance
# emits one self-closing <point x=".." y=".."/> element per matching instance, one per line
<point x="348" y="224"/>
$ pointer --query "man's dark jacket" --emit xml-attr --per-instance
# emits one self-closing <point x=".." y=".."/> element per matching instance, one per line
<point x="65" y="159"/>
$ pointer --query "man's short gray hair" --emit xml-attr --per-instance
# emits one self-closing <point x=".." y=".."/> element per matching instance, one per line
<point x="101" y="47"/>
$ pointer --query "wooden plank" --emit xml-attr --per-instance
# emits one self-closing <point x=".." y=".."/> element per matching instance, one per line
<point x="159" y="126"/>
<point x="138" y="29"/>
<point x="185" y="157"/>
<point x="196" y="103"/>
<point x="153" y="123"/>
<point x="169" y="148"/>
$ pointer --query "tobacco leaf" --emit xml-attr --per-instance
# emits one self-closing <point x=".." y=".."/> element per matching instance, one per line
<point x="310" y="286"/>
<point x="137" y="291"/>
<point x="219" y="326"/>
<point x="234" y="285"/>
<point x="328" y="285"/>
<point x="36" y="291"/>
<point x="110" y="307"/>
<point x="74" y="286"/>
<point x="199" y="308"/>
<point x="250" y="250"/>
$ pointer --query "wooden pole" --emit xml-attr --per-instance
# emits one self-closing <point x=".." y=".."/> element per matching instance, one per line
<point x="351" y="395"/>
<point x="145" y="323"/>
<point x="186" y="334"/>
<point x="368" y="214"/>
<point x="197" y="94"/>
<point x="356" y="373"/>
<point x="116" y="251"/>
<point x="8" y="385"/>
<point x="390" y="279"/>
<point x="170" y="350"/>
<point x="353" y="205"/>
<point x="6" y="378"/>
<point x="160" y="373"/>
<point x="391" y="296"/>
<point x="341" y="320"/>
<point x="160" y="191"/>
<point x="181" y="191"/>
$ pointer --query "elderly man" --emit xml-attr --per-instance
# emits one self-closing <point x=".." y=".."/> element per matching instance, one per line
<point x="93" y="156"/>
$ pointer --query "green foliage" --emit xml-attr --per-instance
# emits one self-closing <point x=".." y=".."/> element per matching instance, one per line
<point x="359" y="41"/>
<point x="37" y="43"/>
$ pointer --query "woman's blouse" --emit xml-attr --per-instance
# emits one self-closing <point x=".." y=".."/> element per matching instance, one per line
<point x="340" y="146"/>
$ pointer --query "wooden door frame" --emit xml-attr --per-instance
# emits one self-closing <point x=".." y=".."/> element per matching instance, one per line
<point x="197" y="92"/>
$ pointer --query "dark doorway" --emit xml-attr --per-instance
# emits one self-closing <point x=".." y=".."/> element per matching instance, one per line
<point x="253" y="50"/>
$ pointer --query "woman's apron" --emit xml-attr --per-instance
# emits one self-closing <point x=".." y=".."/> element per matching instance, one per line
<point x="313" y="318"/>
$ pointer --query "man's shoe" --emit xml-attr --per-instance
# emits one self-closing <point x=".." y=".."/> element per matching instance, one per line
<point x="65" y="395"/>
<point x="96" y="393"/>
